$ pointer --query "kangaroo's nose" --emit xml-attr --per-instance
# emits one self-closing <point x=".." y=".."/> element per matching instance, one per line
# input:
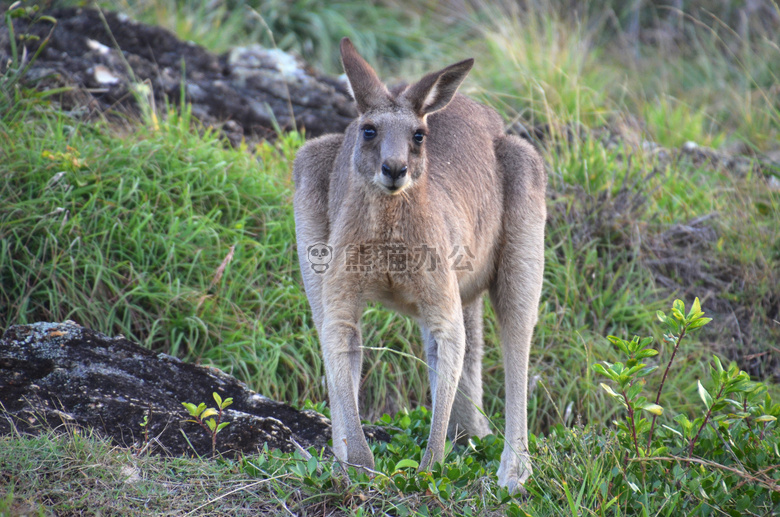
<point x="394" y="169"/>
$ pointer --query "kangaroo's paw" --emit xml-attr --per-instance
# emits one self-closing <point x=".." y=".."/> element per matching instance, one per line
<point x="428" y="460"/>
<point x="360" y="456"/>
<point x="515" y="469"/>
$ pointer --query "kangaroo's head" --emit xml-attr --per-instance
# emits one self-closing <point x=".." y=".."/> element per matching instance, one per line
<point x="390" y="148"/>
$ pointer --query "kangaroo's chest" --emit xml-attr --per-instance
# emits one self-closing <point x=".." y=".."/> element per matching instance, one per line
<point x="409" y="254"/>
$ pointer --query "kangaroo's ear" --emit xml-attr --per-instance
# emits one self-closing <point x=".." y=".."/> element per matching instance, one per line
<point x="434" y="91"/>
<point x="364" y="85"/>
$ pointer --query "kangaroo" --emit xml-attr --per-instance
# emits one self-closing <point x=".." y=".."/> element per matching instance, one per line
<point x="423" y="175"/>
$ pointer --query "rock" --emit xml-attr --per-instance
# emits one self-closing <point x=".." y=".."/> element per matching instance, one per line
<point x="259" y="89"/>
<point x="61" y="374"/>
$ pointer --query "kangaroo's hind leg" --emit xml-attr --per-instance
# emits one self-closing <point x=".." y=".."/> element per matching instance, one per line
<point x="467" y="417"/>
<point x="515" y="293"/>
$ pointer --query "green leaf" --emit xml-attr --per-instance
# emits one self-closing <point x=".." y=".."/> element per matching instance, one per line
<point x="217" y="398"/>
<point x="572" y="505"/>
<point x="633" y="391"/>
<point x="695" y="309"/>
<point x="191" y="408"/>
<point x="222" y="425"/>
<point x="646" y="370"/>
<point x="717" y="406"/>
<point x="621" y="344"/>
<point x="673" y="430"/>
<point x="683" y="420"/>
<point x="654" y="409"/>
<point x="646" y="353"/>
<point x="611" y="392"/>
<point x="633" y="346"/>
<point x="705" y="396"/>
<point x="16" y="13"/>
<point x="678" y="308"/>
<point x="699" y="323"/>
<point x="674" y="326"/>
<point x="717" y="363"/>
<point x="744" y="503"/>
<point x="227" y="402"/>
<point x="311" y="465"/>
<point x="739" y="386"/>
<point x="209" y="412"/>
<point x="661" y="316"/>
<point x="602" y="371"/>
<point x="211" y="423"/>
<point x="766" y="418"/>
<point x="717" y="378"/>
<point x="407" y="463"/>
<point x="631" y="371"/>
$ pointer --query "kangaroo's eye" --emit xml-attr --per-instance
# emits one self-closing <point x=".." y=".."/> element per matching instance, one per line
<point x="419" y="136"/>
<point x="369" y="132"/>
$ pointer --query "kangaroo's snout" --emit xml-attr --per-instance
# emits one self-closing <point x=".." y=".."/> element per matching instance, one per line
<point x="394" y="168"/>
<point x="394" y="175"/>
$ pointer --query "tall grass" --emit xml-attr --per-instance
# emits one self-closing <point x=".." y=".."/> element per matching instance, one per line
<point x="701" y="81"/>
<point x="128" y="237"/>
<point x="386" y="33"/>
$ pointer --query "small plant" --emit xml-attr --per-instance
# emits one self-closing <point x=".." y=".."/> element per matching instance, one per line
<point x="20" y="61"/>
<point x="145" y="424"/>
<point x="629" y="378"/>
<point x="729" y="436"/>
<point x="203" y="416"/>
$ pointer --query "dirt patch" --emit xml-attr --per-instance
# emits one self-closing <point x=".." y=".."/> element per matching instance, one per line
<point x="107" y="64"/>
<point x="61" y="374"/>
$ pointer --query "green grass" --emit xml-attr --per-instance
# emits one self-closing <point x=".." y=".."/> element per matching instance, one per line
<point x="130" y="230"/>
<point x="578" y="471"/>
<point x="386" y="33"/>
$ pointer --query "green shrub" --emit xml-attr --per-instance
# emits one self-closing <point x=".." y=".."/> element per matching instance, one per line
<point x="734" y="437"/>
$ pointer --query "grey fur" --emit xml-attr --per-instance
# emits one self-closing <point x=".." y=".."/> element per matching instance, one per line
<point x="467" y="187"/>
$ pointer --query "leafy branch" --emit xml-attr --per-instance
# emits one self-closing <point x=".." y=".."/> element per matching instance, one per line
<point x="737" y="414"/>
<point x="203" y="416"/>
<point x="678" y="325"/>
